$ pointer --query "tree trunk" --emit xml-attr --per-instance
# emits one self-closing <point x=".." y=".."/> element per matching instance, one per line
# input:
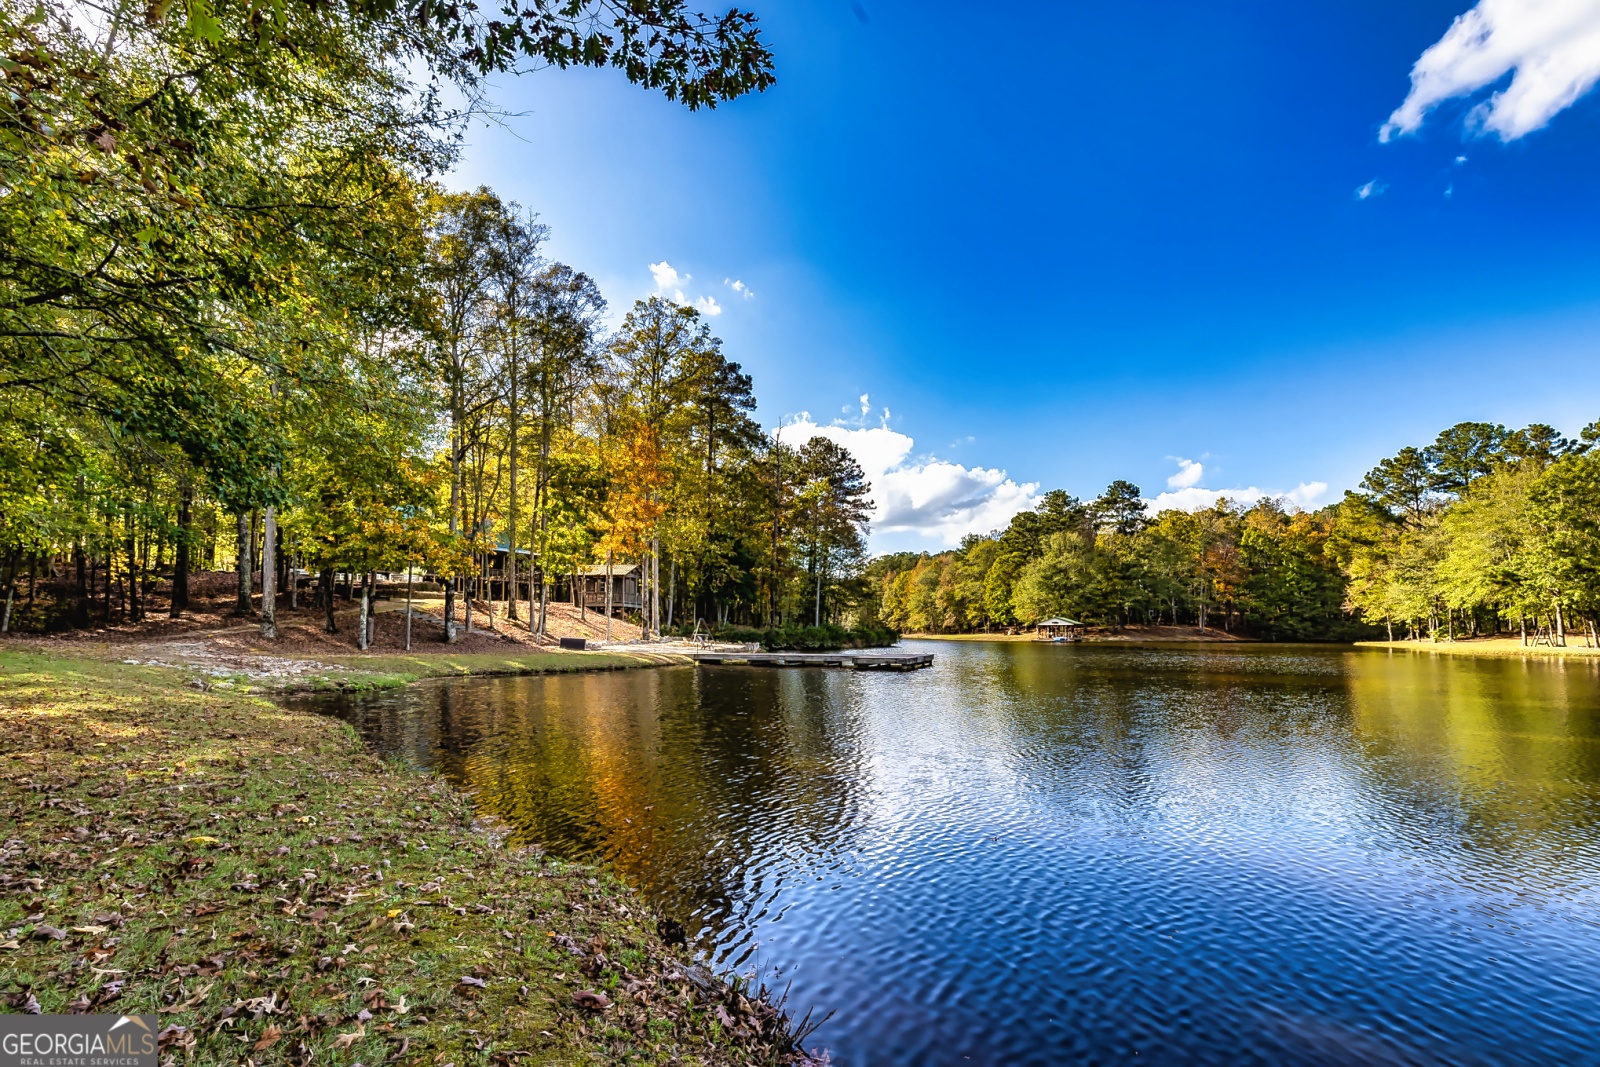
<point x="817" y="611"/>
<point x="182" y="551"/>
<point x="544" y="601"/>
<point x="455" y="503"/>
<point x="472" y="580"/>
<point x="294" y="585"/>
<point x="511" y="525"/>
<point x="1389" y="625"/>
<point x="408" y="605"/>
<point x="110" y="557"/>
<point x="11" y="588"/>
<point x="269" y="573"/>
<point x="1522" y="625"/>
<point x="327" y="601"/>
<point x="363" y="635"/>
<point x="608" y="596"/>
<point x="241" y="604"/>
<point x="672" y="588"/>
<point x="655" y="588"/>
<point x="80" y="566"/>
<point x="488" y="592"/>
<point x="1560" y="634"/>
<point x="132" y="548"/>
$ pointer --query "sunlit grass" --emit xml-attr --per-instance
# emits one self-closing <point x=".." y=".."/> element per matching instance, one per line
<point x="278" y="894"/>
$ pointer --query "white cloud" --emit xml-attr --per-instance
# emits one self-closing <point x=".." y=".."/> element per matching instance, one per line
<point x="1194" y="498"/>
<point x="1370" y="190"/>
<point x="1189" y="473"/>
<point x="923" y="496"/>
<point x="739" y="287"/>
<point x="671" y="283"/>
<point x="1552" y="45"/>
<point x="1306" y="494"/>
<point x="666" y="276"/>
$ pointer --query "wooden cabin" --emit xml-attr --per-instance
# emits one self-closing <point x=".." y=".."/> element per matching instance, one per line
<point x="1059" y="629"/>
<point x="627" y="593"/>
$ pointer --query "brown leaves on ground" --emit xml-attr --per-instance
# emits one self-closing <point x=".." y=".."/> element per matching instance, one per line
<point x="276" y="894"/>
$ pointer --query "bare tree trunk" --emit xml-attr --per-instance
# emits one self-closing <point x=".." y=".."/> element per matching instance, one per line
<point x="817" y="611"/>
<point x="241" y="605"/>
<point x="544" y="601"/>
<point x="1522" y="624"/>
<point x="132" y="549"/>
<point x="608" y="596"/>
<point x="672" y="587"/>
<point x="363" y="635"/>
<point x="181" y="554"/>
<point x="11" y="589"/>
<point x="294" y="585"/>
<point x="488" y="592"/>
<point x="327" y="600"/>
<point x="511" y="525"/>
<point x="408" y="605"/>
<point x="655" y="587"/>
<point x="1561" y="627"/>
<point x="455" y="502"/>
<point x="269" y="573"/>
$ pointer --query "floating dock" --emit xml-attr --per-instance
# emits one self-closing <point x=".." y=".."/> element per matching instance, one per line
<point x="859" y="661"/>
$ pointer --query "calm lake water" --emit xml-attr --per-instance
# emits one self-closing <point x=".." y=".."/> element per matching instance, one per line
<point x="1037" y="854"/>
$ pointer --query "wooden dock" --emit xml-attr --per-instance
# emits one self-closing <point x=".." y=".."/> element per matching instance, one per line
<point x="858" y="661"/>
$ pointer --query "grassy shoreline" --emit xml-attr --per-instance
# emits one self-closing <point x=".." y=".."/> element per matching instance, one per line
<point x="391" y="670"/>
<point x="280" y="895"/>
<point x="1490" y="646"/>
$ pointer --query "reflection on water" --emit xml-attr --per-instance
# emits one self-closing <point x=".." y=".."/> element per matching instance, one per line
<point x="1042" y="854"/>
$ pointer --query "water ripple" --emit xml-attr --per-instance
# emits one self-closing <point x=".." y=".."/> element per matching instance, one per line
<point x="1041" y="854"/>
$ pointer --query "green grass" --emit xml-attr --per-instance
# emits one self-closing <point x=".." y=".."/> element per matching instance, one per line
<point x="1490" y="646"/>
<point x="278" y="894"/>
<point x="379" y="671"/>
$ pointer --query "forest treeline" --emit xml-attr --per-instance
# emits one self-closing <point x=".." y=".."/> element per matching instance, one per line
<point x="240" y="318"/>
<point x="1483" y="531"/>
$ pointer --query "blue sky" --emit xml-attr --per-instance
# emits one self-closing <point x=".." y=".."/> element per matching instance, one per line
<point x="1087" y="242"/>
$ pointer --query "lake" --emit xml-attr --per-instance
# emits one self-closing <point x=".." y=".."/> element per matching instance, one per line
<point x="1038" y="854"/>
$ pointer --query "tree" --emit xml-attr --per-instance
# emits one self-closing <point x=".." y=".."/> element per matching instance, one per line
<point x="1464" y="453"/>
<point x="1403" y="484"/>
<point x="831" y="514"/>
<point x="1120" y="508"/>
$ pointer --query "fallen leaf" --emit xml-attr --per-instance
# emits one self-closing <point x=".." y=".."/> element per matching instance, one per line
<point x="269" y="1037"/>
<point x="46" y="932"/>
<point x="585" y="998"/>
<point x="344" y="1041"/>
<point x="399" y="1005"/>
<point x="202" y="839"/>
<point x="95" y="931"/>
<point x="478" y="983"/>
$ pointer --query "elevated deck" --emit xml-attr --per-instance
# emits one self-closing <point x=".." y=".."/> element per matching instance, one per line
<point x="859" y="661"/>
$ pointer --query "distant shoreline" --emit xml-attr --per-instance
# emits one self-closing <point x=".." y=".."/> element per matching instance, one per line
<point x="1491" y="646"/>
<point x="1128" y="635"/>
